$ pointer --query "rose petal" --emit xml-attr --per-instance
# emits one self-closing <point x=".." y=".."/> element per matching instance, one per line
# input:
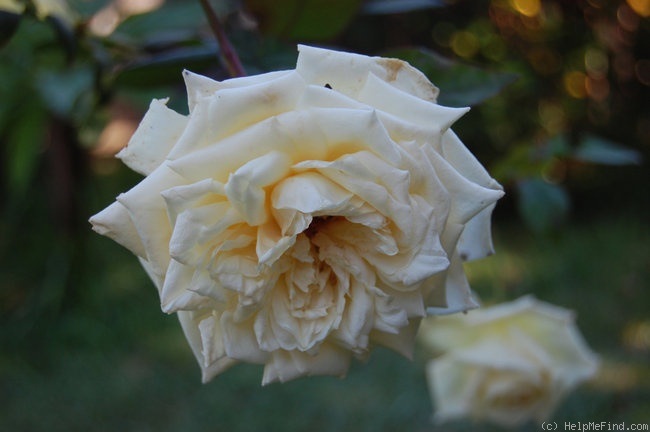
<point x="115" y="222"/>
<point x="147" y="210"/>
<point x="287" y="365"/>
<point x="347" y="72"/>
<point x="152" y="141"/>
<point x="381" y="95"/>
<point x="199" y="86"/>
<point x="245" y="187"/>
<point x="190" y="324"/>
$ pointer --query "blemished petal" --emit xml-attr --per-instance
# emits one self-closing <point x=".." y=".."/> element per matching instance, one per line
<point x="287" y="365"/>
<point x="115" y="222"/>
<point x="347" y="72"/>
<point x="157" y="133"/>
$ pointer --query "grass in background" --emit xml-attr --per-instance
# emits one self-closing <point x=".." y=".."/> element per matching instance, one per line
<point x="112" y="361"/>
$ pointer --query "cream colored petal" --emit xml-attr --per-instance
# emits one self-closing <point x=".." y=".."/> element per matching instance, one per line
<point x="246" y="186"/>
<point x="220" y="159"/>
<point x="403" y="342"/>
<point x="185" y="197"/>
<point x="176" y="293"/>
<point x="347" y="72"/>
<point x="373" y="180"/>
<point x="287" y="365"/>
<point x="388" y="317"/>
<point x="497" y="353"/>
<point x="458" y="294"/>
<point x="454" y="387"/>
<point x="239" y="340"/>
<point x="357" y="319"/>
<point x="233" y="109"/>
<point x="467" y="198"/>
<point x="382" y="96"/>
<point x="318" y="96"/>
<point x="115" y="222"/>
<point x="198" y="229"/>
<point x="459" y="156"/>
<point x="195" y="136"/>
<point x="148" y="212"/>
<point x="296" y="199"/>
<point x="476" y="240"/>
<point x="190" y="324"/>
<point x="199" y="86"/>
<point x="271" y="243"/>
<point x="152" y="141"/>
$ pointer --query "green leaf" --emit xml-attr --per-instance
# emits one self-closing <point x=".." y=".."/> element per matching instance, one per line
<point x="460" y="84"/>
<point x="601" y="151"/>
<point x="171" y="18"/>
<point x="62" y="90"/>
<point x="542" y="205"/>
<point x="304" y="20"/>
<point x="386" y="7"/>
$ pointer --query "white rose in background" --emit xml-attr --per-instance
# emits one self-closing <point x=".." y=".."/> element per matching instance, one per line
<point x="508" y="364"/>
<point x="297" y="218"/>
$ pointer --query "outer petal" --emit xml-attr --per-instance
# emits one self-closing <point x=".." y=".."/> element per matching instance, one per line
<point x="476" y="240"/>
<point x="287" y="365"/>
<point x="381" y="95"/>
<point x="199" y="86"/>
<point x="115" y="222"/>
<point x="347" y="72"/>
<point x="156" y="135"/>
<point x="148" y="212"/>
<point x="190" y="324"/>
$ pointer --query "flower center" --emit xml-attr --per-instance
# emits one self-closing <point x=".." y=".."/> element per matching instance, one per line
<point x="318" y="223"/>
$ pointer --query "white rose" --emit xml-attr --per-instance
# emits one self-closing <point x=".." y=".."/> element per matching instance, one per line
<point x="507" y="364"/>
<point x="297" y="218"/>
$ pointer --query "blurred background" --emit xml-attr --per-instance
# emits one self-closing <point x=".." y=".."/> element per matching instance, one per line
<point x="560" y="92"/>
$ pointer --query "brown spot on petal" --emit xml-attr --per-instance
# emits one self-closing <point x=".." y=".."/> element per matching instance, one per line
<point x="416" y="83"/>
<point x="392" y="66"/>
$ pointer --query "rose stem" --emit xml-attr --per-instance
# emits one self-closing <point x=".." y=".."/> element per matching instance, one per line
<point x="228" y="53"/>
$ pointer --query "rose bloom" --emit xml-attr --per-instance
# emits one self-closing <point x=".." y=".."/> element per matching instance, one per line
<point x="295" y="219"/>
<point x="508" y="364"/>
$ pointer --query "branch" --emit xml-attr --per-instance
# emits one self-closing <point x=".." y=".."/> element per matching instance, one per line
<point x="228" y="53"/>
